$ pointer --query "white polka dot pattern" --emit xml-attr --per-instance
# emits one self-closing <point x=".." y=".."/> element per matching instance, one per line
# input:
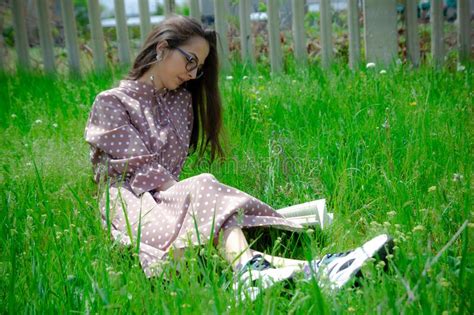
<point x="146" y="137"/>
<point x="132" y="132"/>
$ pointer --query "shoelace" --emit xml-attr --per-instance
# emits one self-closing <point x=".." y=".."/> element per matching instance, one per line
<point x="257" y="263"/>
<point x="326" y="260"/>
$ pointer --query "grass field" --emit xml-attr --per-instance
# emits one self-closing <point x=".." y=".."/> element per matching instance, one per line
<point x="390" y="152"/>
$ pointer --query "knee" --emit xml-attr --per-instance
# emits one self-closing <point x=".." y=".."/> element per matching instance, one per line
<point x="206" y="177"/>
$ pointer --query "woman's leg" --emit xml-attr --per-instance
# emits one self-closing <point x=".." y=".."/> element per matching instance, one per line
<point x="237" y="251"/>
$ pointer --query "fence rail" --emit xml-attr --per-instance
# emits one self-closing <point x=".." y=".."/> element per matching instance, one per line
<point x="380" y="36"/>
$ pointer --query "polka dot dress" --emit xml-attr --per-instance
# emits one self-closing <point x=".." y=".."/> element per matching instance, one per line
<point x="139" y="139"/>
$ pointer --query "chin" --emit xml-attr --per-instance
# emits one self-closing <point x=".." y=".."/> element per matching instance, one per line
<point x="171" y="87"/>
<point x="174" y="86"/>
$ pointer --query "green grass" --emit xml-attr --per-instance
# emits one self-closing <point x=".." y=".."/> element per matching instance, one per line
<point x="390" y="153"/>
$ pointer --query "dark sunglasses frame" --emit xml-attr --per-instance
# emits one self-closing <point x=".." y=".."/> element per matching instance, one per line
<point x="190" y="59"/>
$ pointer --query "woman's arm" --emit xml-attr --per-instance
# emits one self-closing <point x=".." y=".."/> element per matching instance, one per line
<point x="109" y="129"/>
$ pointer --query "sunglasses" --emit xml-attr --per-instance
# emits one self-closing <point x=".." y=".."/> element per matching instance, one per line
<point x="191" y="63"/>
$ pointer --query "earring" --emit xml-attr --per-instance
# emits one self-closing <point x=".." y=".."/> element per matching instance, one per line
<point x="159" y="56"/>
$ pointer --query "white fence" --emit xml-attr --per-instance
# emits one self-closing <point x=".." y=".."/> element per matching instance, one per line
<point x="380" y="38"/>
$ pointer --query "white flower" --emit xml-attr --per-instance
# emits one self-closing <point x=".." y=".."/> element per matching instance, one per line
<point x="460" y="67"/>
<point x="245" y="77"/>
<point x="457" y="177"/>
<point x="370" y="65"/>
<point x="13" y="116"/>
<point x="229" y="77"/>
<point x="55" y="125"/>
<point x="38" y="121"/>
<point x="383" y="71"/>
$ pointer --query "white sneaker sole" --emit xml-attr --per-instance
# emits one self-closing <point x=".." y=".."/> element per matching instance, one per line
<point x="340" y="275"/>
<point x="263" y="280"/>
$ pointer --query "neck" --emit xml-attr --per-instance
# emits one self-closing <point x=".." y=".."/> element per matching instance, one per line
<point x="150" y="78"/>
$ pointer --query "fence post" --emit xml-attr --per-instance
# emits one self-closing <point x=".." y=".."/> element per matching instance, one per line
<point x="246" y="39"/>
<point x="70" y="32"/>
<point x="194" y="10"/>
<point x="354" y="33"/>
<point x="122" y="32"/>
<point x="274" y="36"/>
<point x="97" y="34"/>
<point x="145" y="23"/>
<point x="46" y="40"/>
<point x="380" y="31"/>
<point x="465" y="30"/>
<point x="169" y="7"/>
<point x="301" y="56"/>
<point x="413" y="41"/>
<point x="21" y="40"/>
<point x="221" y="29"/>
<point x="436" y="18"/>
<point x="326" y="33"/>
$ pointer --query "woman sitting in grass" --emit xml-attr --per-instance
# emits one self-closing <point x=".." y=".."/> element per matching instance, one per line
<point x="141" y="133"/>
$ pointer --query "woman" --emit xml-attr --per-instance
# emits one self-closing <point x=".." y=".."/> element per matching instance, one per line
<point x="140" y="135"/>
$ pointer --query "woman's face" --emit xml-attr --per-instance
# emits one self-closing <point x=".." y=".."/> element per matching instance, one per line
<point x="172" y="71"/>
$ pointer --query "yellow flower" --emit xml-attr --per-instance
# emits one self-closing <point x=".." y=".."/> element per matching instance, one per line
<point x="380" y="265"/>
<point x="412" y="103"/>
<point x="444" y="282"/>
<point x="418" y="228"/>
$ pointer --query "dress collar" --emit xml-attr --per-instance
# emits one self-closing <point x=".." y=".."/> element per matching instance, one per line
<point x="144" y="89"/>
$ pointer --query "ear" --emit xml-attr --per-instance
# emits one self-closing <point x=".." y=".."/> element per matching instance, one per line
<point x="162" y="47"/>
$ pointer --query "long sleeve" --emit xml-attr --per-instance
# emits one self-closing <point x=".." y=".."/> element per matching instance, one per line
<point x="109" y="130"/>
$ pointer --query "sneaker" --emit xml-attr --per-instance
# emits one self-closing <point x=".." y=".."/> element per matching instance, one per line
<point x="337" y="269"/>
<point x="257" y="275"/>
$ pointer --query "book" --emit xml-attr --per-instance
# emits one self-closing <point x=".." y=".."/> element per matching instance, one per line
<point x="308" y="213"/>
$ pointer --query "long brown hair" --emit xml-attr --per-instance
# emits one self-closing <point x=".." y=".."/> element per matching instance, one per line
<point x="176" y="30"/>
